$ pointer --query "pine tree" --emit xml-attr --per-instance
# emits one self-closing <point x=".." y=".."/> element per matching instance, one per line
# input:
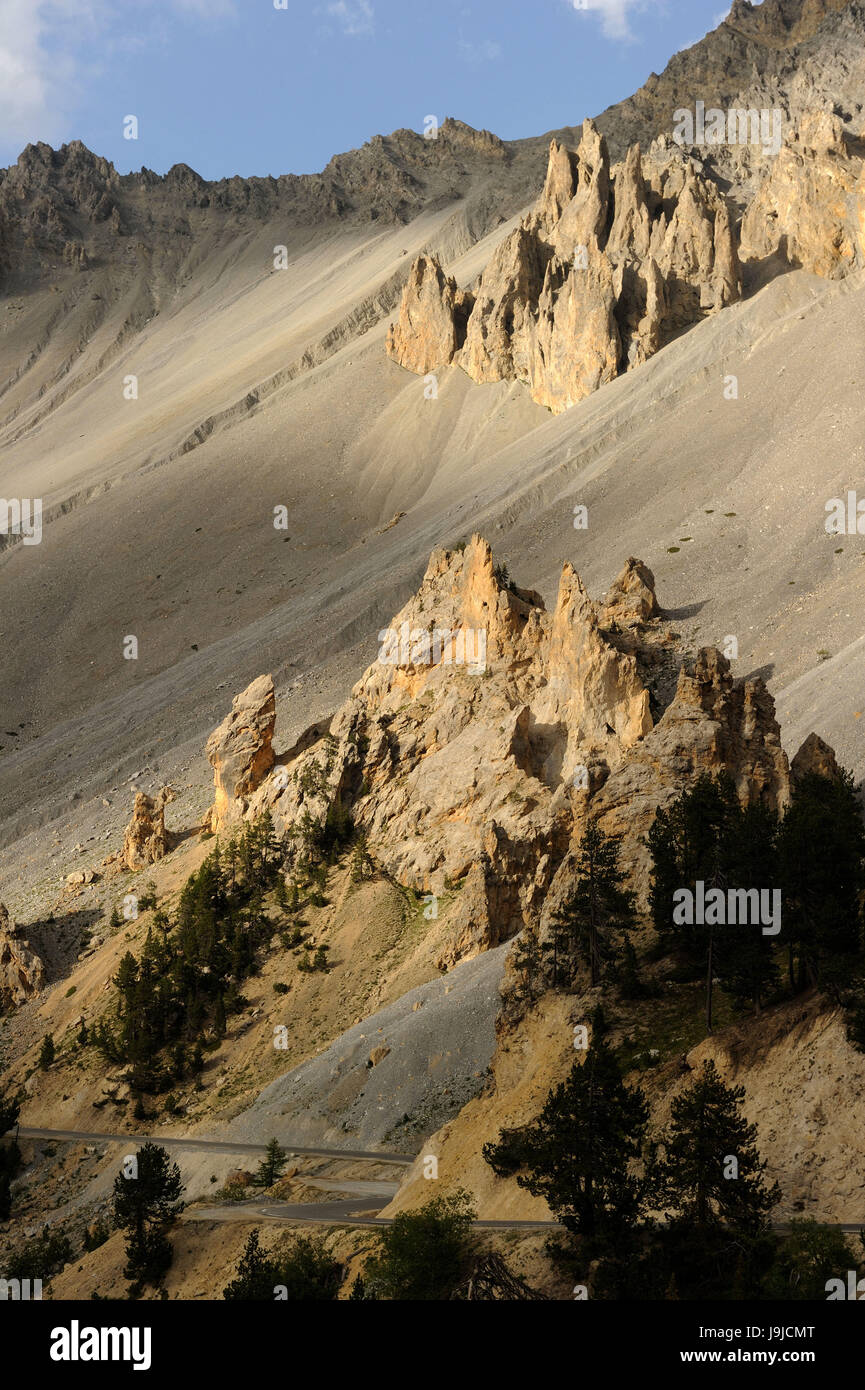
<point x="746" y="962"/>
<point x="126" y="980"/>
<point x="694" y="841"/>
<point x="362" y="864"/>
<point x="631" y="983"/>
<point x="219" y="1023"/>
<point x="144" y="1207"/>
<point x="600" y="910"/>
<point x="710" y="1171"/>
<point x="271" y="1165"/>
<point x="556" y="952"/>
<point x="10" y="1108"/>
<point x="255" y="1277"/>
<point x="822" y="854"/>
<point x="526" y="961"/>
<point x="147" y="898"/>
<point x="10" y="1154"/>
<point x="306" y="1272"/>
<point x="424" y="1254"/>
<point x="319" y="960"/>
<point x="47" y="1052"/>
<point x="578" y="1154"/>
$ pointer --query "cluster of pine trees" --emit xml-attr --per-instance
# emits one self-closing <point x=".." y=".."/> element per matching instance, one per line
<point x="303" y="1273"/>
<point x="188" y="978"/>
<point x="687" y="1212"/>
<point x="814" y="855"/>
<point x="684" y="1214"/>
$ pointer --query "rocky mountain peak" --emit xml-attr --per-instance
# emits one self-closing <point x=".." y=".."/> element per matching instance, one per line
<point x="489" y="727"/>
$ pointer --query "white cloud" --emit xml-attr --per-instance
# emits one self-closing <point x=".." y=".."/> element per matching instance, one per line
<point x="355" y="17"/>
<point x="48" y="48"/>
<point x="613" y="14"/>
<point x="35" y="78"/>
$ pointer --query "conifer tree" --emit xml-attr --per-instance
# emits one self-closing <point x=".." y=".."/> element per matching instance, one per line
<point x="10" y="1108"/>
<point x="822" y="853"/>
<point x="580" y="1151"/>
<point x="746" y="963"/>
<point x="526" y="961"/>
<point x="600" y="910"/>
<point x="697" y="840"/>
<point x="144" y="1207"/>
<point x="710" y="1171"/>
<point x="423" y="1255"/>
<point x="272" y="1165"/>
<point x="362" y="865"/>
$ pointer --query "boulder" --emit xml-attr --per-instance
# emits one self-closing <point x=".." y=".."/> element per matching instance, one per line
<point x="632" y="596"/>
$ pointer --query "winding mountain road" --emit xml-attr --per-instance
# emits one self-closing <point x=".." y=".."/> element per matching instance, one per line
<point x="352" y="1212"/>
<point x="226" y="1146"/>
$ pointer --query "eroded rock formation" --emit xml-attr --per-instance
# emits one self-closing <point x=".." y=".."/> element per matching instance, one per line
<point x="146" y="839"/>
<point x="608" y="264"/>
<point x="22" y="973"/>
<point x="240" y="751"/>
<point x="814" y="756"/>
<point x="432" y="322"/>
<point x="810" y="208"/>
<point x="473" y="749"/>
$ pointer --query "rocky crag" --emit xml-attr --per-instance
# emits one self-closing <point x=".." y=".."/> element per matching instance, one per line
<point x="614" y="261"/>
<point x="606" y="267"/>
<point x="473" y="749"/>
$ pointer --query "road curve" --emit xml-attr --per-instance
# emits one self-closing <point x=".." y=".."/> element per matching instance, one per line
<point x="226" y="1146"/>
<point x="346" y="1213"/>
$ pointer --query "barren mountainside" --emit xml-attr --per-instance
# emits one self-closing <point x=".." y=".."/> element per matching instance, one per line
<point x="413" y="532"/>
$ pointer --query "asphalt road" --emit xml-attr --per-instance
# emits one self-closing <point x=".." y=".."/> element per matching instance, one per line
<point x="354" y="1212"/>
<point x="346" y="1212"/>
<point x="226" y="1146"/>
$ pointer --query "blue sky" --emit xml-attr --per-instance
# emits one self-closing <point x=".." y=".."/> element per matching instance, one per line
<point x="241" y="87"/>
